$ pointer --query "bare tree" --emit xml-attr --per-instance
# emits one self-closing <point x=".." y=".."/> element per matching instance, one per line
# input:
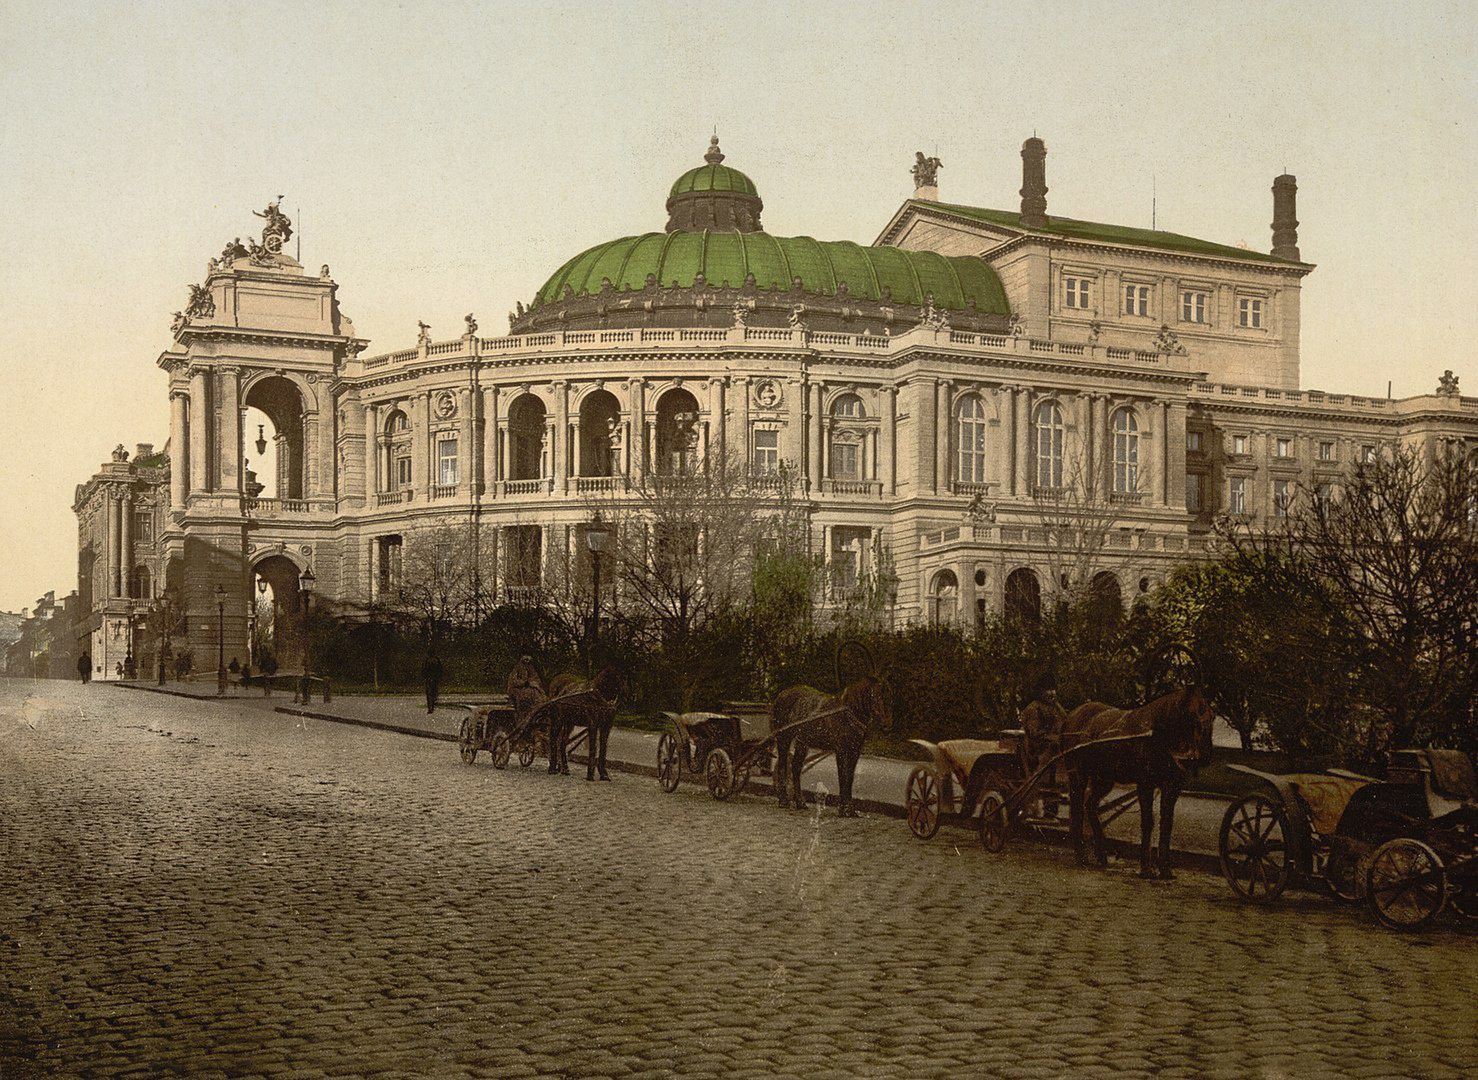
<point x="442" y="571"/>
<point x="1079" y="520"/>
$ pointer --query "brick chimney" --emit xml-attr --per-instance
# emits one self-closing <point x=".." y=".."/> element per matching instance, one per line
<point x="1285" y="217"/>
<point x="1034" y="183"/>
<point x="142" y="450"/>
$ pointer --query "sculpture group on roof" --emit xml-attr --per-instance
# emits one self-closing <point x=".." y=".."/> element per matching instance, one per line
<point x="925" y="170"/>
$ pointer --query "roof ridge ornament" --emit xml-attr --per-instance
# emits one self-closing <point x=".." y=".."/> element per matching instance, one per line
<point x="714" y="155"/>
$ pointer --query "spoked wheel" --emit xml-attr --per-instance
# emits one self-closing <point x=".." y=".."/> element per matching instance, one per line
<point x="1407" y="885"/>
<point x="994" y="824"/>
<point x="467" y="741"/>
<point x="718" y="769"/>
<point x="667" y="763"/>
<point x="741" y="780"/>
<point x="1254" y="849"/>
<point x="502" y="748"/>
<point x="1345" y="878"/>
<point x="1465" y="902"/>
<point x="921" y="801"/>
<point x="526" y="754"/>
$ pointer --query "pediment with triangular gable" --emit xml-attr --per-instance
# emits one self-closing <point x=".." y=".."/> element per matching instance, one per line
<point x="922" y="225"/>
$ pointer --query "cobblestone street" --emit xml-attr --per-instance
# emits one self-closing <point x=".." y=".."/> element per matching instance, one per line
<point x="202" y="889"/>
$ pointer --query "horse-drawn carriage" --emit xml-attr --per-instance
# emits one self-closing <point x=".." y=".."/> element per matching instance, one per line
<point x="998" y="787"/>
<point x="495" y="728"/>
<point x="504" y="728"/>
<point x="1408" y="845"/>
<point x="723" y="747"/>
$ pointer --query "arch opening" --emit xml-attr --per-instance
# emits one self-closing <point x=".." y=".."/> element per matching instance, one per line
<point x="677" y="433"/>
<point x="600" y="434"/>
<point x="527" y="439"/>
<point x="1023" y="596"/>
<point x="274" y="410"/>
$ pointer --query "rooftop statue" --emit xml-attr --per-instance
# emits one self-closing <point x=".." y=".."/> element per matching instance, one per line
<point x="1447" y="384"/>
<point x="471" y="324"/>
<point x="423" y="336"/>
<point x="234" y="250"/>
<point x="278" y="229"/>
<point x="202" y="305"/>
<point x="925" y="170"/>
<point x="119" y="453"/>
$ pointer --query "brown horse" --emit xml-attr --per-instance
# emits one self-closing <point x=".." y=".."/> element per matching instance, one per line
<point x="593" y="707"/>
<point x="1154" y="747"/>
<point x="803" y="717"/>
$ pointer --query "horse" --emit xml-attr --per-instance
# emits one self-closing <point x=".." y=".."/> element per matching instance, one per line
<point x="803" y="717"/>
<point x="594" y="709"/>
<point x="1154" y="747"/>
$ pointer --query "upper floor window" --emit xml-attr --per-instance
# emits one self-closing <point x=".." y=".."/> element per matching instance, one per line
<point x="1193" y="306"/>
<point x="1367" y="454"/>
<point x="1282" y="496"/>
<point x="766" y="450"/>
<point x="1323" y="495"/>
<point x="1193" y="441"/>
<point x="1249" y="312"/>
<point x="847" y="405"/>
<point x="1076" y="292"/>
<point x="970" y="440"/>
<point x="403" y="470"/>
<point x="446" y="462"/>
<point x="397" y="423"/>
<point x="1136" y="299"/>
<point x="1326" y="451"/>
<point x="1049" y="445"/>
<point x="143" y="526"/>
<point x="1239" y="444"/>
<point x="1237" y="495"/>
<point x="846" y="442"/>
<point x="1126" y="451"/>
<point x="1195" y="486"/>
<point x="1283" y="448"/>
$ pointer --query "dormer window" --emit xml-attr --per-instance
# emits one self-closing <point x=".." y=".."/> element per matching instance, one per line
<point x="1249" y="313"/>
<point x="1076" y="295"/>
<point x="1193" y="306"/>
<point x="1136" y="299"/>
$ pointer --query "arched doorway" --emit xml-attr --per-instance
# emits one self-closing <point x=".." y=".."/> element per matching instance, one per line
<point x="944" y="597"/>
<point x="1023" y="596"/>
<point x="600" y="433"/>
<point x="273" y="432"/>
<point x="276" y="609"/>
<point x="677" y="433"/>
<point x="526" y="429"/>
<point x="1105" y="598"/>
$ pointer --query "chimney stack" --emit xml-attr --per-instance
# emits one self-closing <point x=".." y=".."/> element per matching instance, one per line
<point x="1034" y="183"/>
<point x="1285" y="217"/>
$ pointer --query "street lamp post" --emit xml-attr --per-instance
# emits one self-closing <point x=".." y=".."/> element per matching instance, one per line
<point x="220" y="641"/>
<point x="305" y="582"/>
<point x="128" y="672"/>
<point x="597" y="536"/>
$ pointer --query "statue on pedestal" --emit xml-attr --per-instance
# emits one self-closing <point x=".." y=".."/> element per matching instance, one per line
<point x="202" y="305"/>
<point x="1447" y="384"/>
<point x="925" y="171"/>
<point x="278" y="229"/>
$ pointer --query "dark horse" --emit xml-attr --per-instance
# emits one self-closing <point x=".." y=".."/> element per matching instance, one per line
<point x="1154" y="747"/>
<point x="804" y="717"/>
<point x="592" y="705"/>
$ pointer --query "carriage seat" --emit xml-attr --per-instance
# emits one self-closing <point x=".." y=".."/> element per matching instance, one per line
<point x="963" y="753"/>
<point x="1452" y="773"/>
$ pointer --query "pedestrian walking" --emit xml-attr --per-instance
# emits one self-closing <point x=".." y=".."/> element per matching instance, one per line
<point x="84" y="666"/>
<point x="431" y="672"/>
<point x="120" y="669"/>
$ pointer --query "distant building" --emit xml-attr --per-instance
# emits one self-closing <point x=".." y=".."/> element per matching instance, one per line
<point x="937" y="393"/>
<point x="44" y="646"/>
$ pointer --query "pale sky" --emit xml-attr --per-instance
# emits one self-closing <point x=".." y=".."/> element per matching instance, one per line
<point x="446" y="158"/>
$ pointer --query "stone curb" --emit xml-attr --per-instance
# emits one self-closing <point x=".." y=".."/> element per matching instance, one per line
<point x="1195" y="860"/>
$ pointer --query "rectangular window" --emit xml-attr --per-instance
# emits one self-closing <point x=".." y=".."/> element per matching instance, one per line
<point x="1283" y="448"/>
<point x="390" y="563"/>
<point x="1193" y="306"/>
<point x="1280" y="497"/>
<point x="1193" y="441"/>
<point x="446" y="462"/>
<point x="1136" y="299"/>
<point x="1323" y="493"/>
<point x="844" y="460"/>
<point x="1077" y="292"/>
<point x="403" y="471"/>
<point x="1239" y="444"/>
<point x="1194" y="487"/>
<point x="143" y="527"/>
<point x="1249" y="313"/>
<point x="1237" y="493"/>
<point x="1326" y="451"/>
<point x="766" y="450"/>
<point x="1367" y="454"/>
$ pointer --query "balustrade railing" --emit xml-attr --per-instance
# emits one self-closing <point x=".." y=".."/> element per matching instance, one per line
<point x="444" y="491"/>
<point x="393" y="498"/>
<point x="599" y="485"/>
<point x="540" y="486"/>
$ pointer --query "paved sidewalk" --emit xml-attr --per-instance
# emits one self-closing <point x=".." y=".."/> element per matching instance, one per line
<point x="878" y="786"/>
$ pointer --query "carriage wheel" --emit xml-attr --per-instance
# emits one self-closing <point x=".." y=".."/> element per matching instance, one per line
<point x="526" y="754"/>
<point x="921" y="800"/>
<point x="741" y="780"/>
<point x="502" y="747"/>
<point x="719" y="771"/>
<point x="1254" y="849"/>
<point x="994" y="824"/>
<point x="467" y="741"/>
<point x="1344" y="877"/>
<point x="1407" y="884"/>
<point x="667" y="763"/>
<point x="1465" y="903"/>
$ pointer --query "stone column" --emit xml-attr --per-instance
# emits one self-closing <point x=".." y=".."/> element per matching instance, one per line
<point x="422" y="474"/>
<point x="792" y="440"/>
<point x="1151" y="445"/>
<point x="718" y="407"/>
<point x="813" y="431"/>
<point x="942" y="394"/>
<point x="491" y="467"/>
<point x="179" y="449"/>
<point x="887" y="472"/>
<point x="125" y="543"/>
<point x="199" y="430"/>
<point x="1006" y="396"/>
<point x="1023" y="440"/>
<point x="1099" y="457"/>
<point x="110" y="587"/>
<point x="1083" y="442"/>
<point x="636" y="393"/>
<point x="1172" y="423"/>
<point x="230" y="388"/>
<point x="371" y="454"/>
<point x="466" y="442"/>
<point x="742" y="438"/>
<point x="372" y="587"/>
<point x="561" y="437"/>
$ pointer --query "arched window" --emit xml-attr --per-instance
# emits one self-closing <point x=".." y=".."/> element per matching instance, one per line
<point x="945" y="597"/>
<point x="526" y="436"/>
<point x="397" y="423"/>
<point x="1126" y="451"/>
<point x="970" y="440"/>
<point x="397" y="451"/>
<point x="1049" y="445"/>
<point x="847" y="459"/>
<point x="679" y="437"/>
<point x="1023" y="596"/>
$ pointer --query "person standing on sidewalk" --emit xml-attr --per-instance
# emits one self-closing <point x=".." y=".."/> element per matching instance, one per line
<point x="431" y="671"/>
<point x="84" y="666"/>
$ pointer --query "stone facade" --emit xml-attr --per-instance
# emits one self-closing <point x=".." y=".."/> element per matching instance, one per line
<point x="956" y="449"/>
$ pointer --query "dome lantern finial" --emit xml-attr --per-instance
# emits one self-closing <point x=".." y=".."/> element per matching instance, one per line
<point x="714" y="155"/>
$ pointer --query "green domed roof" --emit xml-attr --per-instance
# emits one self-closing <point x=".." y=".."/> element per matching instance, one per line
<point x="713" y="178"/>
<point x="676" y="258"/>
